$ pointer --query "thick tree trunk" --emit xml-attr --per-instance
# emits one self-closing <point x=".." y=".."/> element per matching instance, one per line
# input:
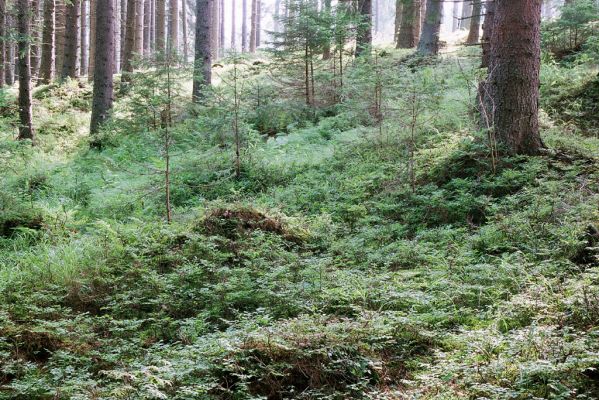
<point x="160" y="26"/>
<point x="124" y="7"/>
<point x="146" y="27"/>
<point x="36" y="27"/>
<point x="431" y="30"/>
<point x="474" y="32"/>
<point x="174" y="27"/>
<point x="513" y="82"/>
<point x="202" y="72"/>
<point x="406" y="37"/>
<point x="47" y="63"/>
<point x="24" y="41"/>
<point x="129" y="41"/>
<point x="364" y="33"/>
<point x="70" y="67"/>
<point x="467" y="8"/>
<point x="59" y="34"/>
<point x="104" y="64"/>
<point x="214" y="29"/>
<point x="326" y="49"/>
<point x="184" y="27"/>
<point x="2" y="41"/>
<point x="253" y="28"/>
<point x="84" y="38"/>
<point x="398" y="14"/>
<point x="488" y="27"/>
<point x="417" y="20"/>
<point x="117" y="37"/>
<point x="244" y="26"/>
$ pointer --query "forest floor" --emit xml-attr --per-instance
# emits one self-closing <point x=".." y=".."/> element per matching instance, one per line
<point x="349" y="260"/>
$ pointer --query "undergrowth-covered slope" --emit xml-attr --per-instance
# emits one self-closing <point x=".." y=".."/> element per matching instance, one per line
<point x="327" y="271"/>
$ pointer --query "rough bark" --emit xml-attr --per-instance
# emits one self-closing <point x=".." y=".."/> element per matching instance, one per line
<point x="474" y="30"/>
<point x="104" y="64"/>
<point x="174" y="26"/>
<point x="92" y="39"/>
<point x="364" y="33"/>
<point x="326" y="49"/>
<point x="146" y="27"/>
<point x="488" y="26"/>
<point x="233" y="24"/>
<point x="9" y="50"/>
<point x="221" y="27"/>
<point x="160" y="26"/>
<point x="184" y="27"/>
<point x="258" y="22"/>
<point x="70" y="67"/>
<point x="24" y="44"/>
<point x="59" y="32"/>
<point x="139" y="27"/>
<point x="129" y="41"/>
<point x="36" y="27"/>
<point x="406" y="38"/>
<point x="202" y="72"/>
<point x="513" y="81"/>
<point x="2" y="41"/>
<point x="431" y="29"/>
<point x="417" y="20"/>
<point x="117" y="37"/>
<point x="398" y="13"/>
<point x="47" y="63"/>
<point x="253" y="28"/>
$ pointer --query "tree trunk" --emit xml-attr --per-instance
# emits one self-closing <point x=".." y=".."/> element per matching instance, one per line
<point x="146" y="29"/>
<point x="233" y="24"/>
<point x="124" y="7"/>
<point x="364" y="33"/>
<point x="139" y="27"/>
<point x="258" y="22"/>
<point x="277" y="15"/>
<point x="326" y="49"/>
<point x="84" y="38"/>
<point x="253" y="28"/>
<point x="47" y="63"/>
<point x="398" y="14"/>
<point x="455" y="20"/>
<point x="104" y="64"/>
<point x="70" y="65"/>
<point x="184" y="27"/>
<point x="36" y="53"/>
<point x="429" y="40"/>
<point x="474" y="32"/>
<point x="174" y="27"/>
<point x="25" y="121"/>
<point x="129" y="41"/>
<point x="221" y="25"/>
<point x="467" y="8"/>
<point x="244" y="26"/>
<point x="2" y="41"/>
<point x="406" y="37"/>
<point x="92" y="39"/>
<point x="488" y="27"/>
<point x="160" y="26"/>
<point x="59" y="31"/>
<point x="202" y="71"/>
<point x="117" y="37"/>
<point x="513" y="81"/>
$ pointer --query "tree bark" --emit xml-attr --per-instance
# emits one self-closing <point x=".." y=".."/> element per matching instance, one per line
<point x="253" y="28"/>
<point x="160" y="26"/>
<point x="405" y="39"/>
<point x="474" y="30"/>
<point x="398" y="14"/>
<point x="202" y="72"/>
<point x="431" y="30"/>
<point x="59" y="36"/>
<point x="467" y="8"/>
<point x="233" y="24"/>
<point x="47" y="63"/>
<point x="488" y="27"/>
<point x="184" y="27"/>
<point x="70" y="67"/>
<point x="244" y="26"/>
<point x="258" y="22"/>
<point x="36" y="52"/>
<point x="129" y="41"/>
<point x="513" y="81"/>
<point x="2" y="41"/>
<point x="117" y="37"/>
<point x="84" y="39"/>
<point x="221" y="27"/>
<point x="326" y="49"/>
<point x="174" y="27"/>
<point x="139" y="27"/>
<point x="104" y="64"/>
<point x="146" y="28"/>
<point x="24" y="44"/>
<point x="364" y="33"/>
<point x="92" y="39"/>
<point x="417" y="20"/>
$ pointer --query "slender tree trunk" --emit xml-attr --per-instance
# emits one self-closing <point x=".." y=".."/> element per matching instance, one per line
<point x="117" y="37"/>
<point x="10" y="51"/>
<point x="70" y="65"/>
<point x="59" y="38"/>
<point x="104" y="64"/>
<point x="474" y="32"/>
<point x="146" y="28"/>
<point x="160" y="26"/>
<point x="455" y="21"/>
<point x="488" y="27"/>
<point x="431" y="30"/>
<point x="244" y="26"/>
<point x="129" y="42"/>
<point x="24" y="40"/>
<point x="277" y="15"/>
<point x="124" y="7"/>
<point x="417" y="20"/>
<point x="221" y="27"/>
<point x="152" y="26"/>
<point x="84" y="39"/>
<point x="364" y="34"/>
<point x="47" y="62"/>
<point x="326" y="48"/>
<point x="406" y="37"/>
<point x="174" y="27"/>
<point x="513" y="81"/>
<point x="2" y="42"/>
<point x="467" y="7"/>
<point x="92" y="39"/>
<point x="139" y="27"/>
<point x="234" y="24"/>
<point x="36" y="52"/>
<point x="253" y="28"/>
<point x="202" y="72"/>
<point x="398" y="14"/>
<point x="258" y="22"/>
<point x="184" y="27"/>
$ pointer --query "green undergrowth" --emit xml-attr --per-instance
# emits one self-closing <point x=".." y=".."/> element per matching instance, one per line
<point x="324" y="272"/>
